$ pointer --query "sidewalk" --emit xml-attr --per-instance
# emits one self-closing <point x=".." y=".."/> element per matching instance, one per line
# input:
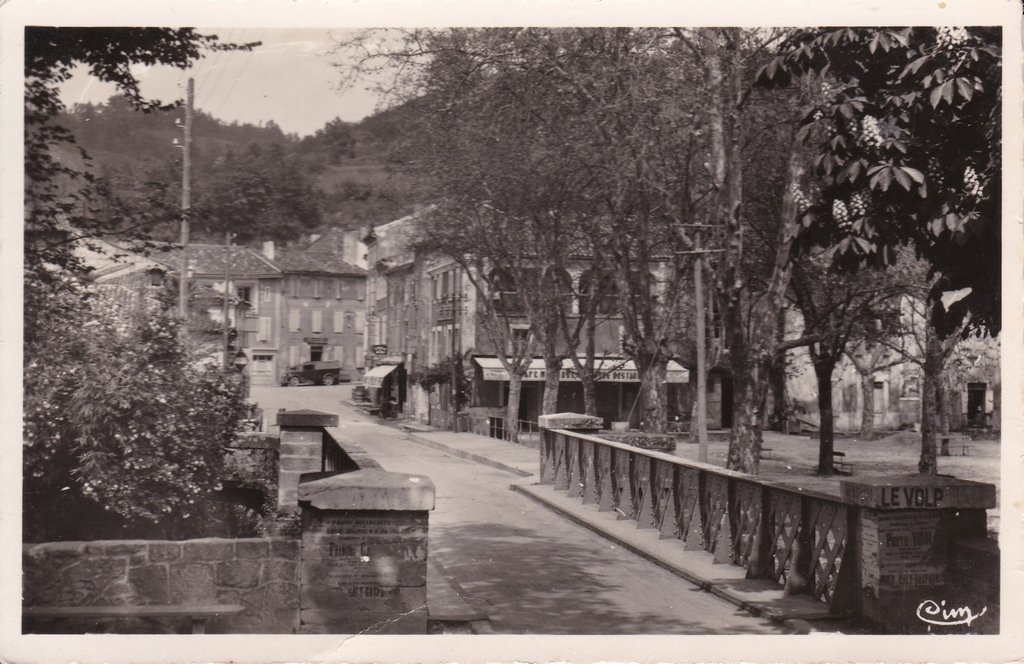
<point x="510" y="457"/>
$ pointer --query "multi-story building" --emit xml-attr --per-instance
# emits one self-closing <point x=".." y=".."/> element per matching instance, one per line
<point x="322" y="307"/>
<point x="289" y="306"/>
<point x="423" y="309"/>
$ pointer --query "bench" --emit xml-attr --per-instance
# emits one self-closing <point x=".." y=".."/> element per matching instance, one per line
<point x="963" y="442"/>
<point x="196" y="614"/>
<point x="840" y="465"/>
<point x="766" y="453"/>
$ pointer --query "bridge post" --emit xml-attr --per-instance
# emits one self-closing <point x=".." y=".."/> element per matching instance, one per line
<point x="569" y="421"/>
<point x="364" y="553"/>
<point x="301" y="451"/>
<point x="908" y="527"/>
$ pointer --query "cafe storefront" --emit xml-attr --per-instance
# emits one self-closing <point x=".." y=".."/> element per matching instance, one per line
<point x="617" y="390"/>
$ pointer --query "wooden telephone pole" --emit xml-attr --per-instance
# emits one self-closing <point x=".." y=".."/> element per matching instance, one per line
<point x="186" y="206"/>
<point x="702" y="370"/>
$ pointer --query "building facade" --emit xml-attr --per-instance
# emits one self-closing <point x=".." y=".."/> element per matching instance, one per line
<point x="285" y="307"/>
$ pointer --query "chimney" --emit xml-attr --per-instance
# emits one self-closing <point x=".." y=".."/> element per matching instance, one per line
<point x="268" y="250"/>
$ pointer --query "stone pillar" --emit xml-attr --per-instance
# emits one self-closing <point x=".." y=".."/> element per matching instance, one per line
<point x="364" y="553"/>
<point x="907" y="526"/>
<point x="301" y="450"/>
<point x="574" y="422"/>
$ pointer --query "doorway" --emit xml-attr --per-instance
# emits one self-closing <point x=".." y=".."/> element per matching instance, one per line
<point x="976" y="404"/>
<point x="726" y="402"/>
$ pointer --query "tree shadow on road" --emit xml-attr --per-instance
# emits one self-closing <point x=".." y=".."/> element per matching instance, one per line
<point x="532" y="584"/>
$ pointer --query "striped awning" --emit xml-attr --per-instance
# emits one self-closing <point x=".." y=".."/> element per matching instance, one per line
<point x="375" y="376"/>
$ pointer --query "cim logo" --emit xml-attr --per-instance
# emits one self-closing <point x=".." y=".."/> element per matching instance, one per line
<point x="936" y="613"/>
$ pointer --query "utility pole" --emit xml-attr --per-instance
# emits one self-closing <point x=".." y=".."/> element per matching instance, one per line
<point x="227" y="290"/>
<point x="702" y="397"/>
<point x="454" y="303"/>
<point x="186" y="206"/>
<point x="702" y="370"/>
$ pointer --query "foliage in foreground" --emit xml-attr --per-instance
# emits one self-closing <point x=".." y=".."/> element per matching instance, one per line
<point x="122" y="434"/>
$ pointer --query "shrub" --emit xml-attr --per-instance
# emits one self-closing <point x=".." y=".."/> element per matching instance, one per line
<point x="121" y="430"/>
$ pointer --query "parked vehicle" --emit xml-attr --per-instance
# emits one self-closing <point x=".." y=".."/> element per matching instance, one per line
<point x="327" y="372"/>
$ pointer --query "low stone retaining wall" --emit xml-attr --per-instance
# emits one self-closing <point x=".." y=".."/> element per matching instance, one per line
<point x="262" y="574"/>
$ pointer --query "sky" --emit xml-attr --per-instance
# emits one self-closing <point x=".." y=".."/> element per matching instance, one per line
<point x="289" y="79"/>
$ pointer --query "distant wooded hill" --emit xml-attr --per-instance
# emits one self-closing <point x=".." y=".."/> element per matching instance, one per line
<point x="254" y="181"/>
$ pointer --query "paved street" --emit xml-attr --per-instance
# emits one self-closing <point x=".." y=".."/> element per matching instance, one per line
<point x="529" y="569"/>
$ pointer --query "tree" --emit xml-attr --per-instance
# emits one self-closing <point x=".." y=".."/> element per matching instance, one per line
<point x="105" y="396"/>
<point x="117" y="423"/>
<point x="58" y="196"/>
<point x="836" y="309"/>
<point x="907" y="153"/>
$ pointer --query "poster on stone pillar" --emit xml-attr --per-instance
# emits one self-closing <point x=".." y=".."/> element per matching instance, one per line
<point x="766" y="246"/>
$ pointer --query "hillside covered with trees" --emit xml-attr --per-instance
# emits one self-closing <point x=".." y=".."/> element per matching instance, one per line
<point x="254" y="181"/>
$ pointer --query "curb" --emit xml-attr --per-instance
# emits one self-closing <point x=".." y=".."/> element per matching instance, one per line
<point x="793" y="624"/>
<point x="462" y="454"/>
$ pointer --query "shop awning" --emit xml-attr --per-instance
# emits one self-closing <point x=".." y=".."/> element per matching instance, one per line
<point x="375" y="376"/>
<point x="609" y="370"/>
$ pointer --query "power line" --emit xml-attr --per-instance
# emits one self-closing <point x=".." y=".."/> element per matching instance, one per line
<point x="245" y="65"/>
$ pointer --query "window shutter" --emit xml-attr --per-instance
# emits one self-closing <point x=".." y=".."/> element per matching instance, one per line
<point x="265" y="328"/>
<point x="317" y="319"/>
<point x="360" y="322"/>
<point x="339" y="322"/>
<point x="293" y="321"/>
<point x="316" y="288"/>
<point x="293" y="355"/>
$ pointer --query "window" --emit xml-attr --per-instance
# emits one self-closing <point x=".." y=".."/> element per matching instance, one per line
<point x="293" y="355"/>
<point x="156" y="278"/>
<point x="293" y="287"/>
<point x="519" y="338"/>
<point x="294" y="320"/>
<point x="339" y="322"/>
<point x="265" y="328"/>
<point x="244" y="293"/>
<point x="264" y="293"/>
<point x="316" y="288"/>
<point x="360" y="322"/>
<point x="338" y="288"/>
<point x="317" y="321"/>
<point x="316" y="354"/>
<point x="338" y="353"/>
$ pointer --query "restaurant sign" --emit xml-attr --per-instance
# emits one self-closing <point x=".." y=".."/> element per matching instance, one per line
<point x="623" y="375"/>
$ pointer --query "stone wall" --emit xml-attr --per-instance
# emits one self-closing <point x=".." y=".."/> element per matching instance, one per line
<point x="262" y="574"/>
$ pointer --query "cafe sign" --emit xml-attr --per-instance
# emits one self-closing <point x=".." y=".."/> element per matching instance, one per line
<point x="618" y="371"/>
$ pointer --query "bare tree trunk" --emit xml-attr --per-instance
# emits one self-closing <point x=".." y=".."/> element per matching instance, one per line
<point x="515" y="389"/>
<point x="928" y="464"/>
<point x="826" y="435"/>
<point x="553" y="367"/>
<point x="941" y="408"/>
<point x="654" y="397"/>
<point x="867" y="403"/>
<point x="745" y="437"/>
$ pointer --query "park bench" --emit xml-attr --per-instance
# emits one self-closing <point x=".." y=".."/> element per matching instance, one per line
<point x="952" y="441"/>
<point x="197" y="614"/>
<point x="840" y="465"/>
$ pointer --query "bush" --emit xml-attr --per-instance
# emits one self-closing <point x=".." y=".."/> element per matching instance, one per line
<point x="122" y="433"/>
